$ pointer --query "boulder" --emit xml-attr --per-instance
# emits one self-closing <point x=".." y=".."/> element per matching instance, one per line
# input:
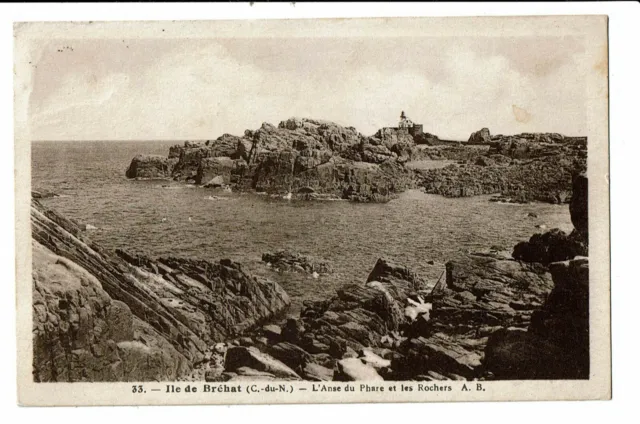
<point x="217" y="181"/>
<point x="353" y="369"/>
<point x="291" y="355"/>
<point x="316" y="372"/>
<point x="551" y="246"/>
<point x="292" y="330"/>
<point x="480" y="137"/>
<point x="149" y="167"/>
<point x="251" y="357"/>
<point x="370" y="358"/>
<point x="272" y="332"/>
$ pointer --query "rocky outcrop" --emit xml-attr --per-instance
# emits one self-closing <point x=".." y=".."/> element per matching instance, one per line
<point x="480" y="137"/>
<point x="218" y="167"/>
<point x="299" y="154"/>
<point x="394" y="327"/>
<point x="286" y="260"/>
<point x="521" y="168"/>
<point x="105" y="317"/>
<point x="552" y="246"/>
<point x="216" y="301"/>
<point x="546" y="178"/>
<point x="150" y="167"/>
<point x="342" y="338"/>
<point x="477" y="296"/>
<point x="556" y="345"/>
<point x="81" y="334"/>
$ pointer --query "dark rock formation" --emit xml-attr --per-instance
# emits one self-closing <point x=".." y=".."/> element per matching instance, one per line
<point x="252" y="358"/>
<point x="556" y="345"/>
<point x="552" y="246"/>
<point x="42" y="194"/>
<point x="479" y="295"/>
<point x="102" y="317"/>
<point x="150" y="167"/>
<point x="480" y="137"/>
<point x="286" y="260"/>
<point x="81" y="334"/>
<point x="545" y="178"/>
<point x="299" y="153"/>
<point x="579" y="206"/>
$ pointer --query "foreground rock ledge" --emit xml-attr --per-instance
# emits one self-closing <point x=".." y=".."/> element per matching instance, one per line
<point x="102" y="317"/>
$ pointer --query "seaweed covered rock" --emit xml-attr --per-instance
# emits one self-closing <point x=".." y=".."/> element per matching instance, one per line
<point x="287" y="260"/>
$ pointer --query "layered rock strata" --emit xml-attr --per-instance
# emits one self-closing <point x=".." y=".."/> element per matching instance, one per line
<point x="105" y="317"/>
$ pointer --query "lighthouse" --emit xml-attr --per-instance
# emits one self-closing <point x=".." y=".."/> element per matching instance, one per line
<point x="404" y="121"/>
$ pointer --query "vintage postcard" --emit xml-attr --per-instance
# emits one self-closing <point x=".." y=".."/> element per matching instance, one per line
<point x="312" y="210"/>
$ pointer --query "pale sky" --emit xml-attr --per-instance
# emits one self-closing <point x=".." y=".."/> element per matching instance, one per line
<point x="199" y="89"/>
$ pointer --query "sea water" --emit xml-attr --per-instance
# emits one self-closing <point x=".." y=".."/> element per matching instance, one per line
<point x="161" y="218"/>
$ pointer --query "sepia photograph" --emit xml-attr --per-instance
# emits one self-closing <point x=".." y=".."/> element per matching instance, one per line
<point x="307" y="206"/>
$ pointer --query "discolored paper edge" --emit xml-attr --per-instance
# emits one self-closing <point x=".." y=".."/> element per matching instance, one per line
<point x="594" y="31"/>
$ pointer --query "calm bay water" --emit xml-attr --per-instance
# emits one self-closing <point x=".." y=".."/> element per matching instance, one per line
<point x="412" y="230"/>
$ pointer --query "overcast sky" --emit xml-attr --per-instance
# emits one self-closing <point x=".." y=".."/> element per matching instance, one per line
<point x="199" y="89"/>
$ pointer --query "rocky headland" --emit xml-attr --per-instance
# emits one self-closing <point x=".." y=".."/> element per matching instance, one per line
<point x="102" y="316"/>
<point x="314" y="159"/>
<point x="305" y="157"/>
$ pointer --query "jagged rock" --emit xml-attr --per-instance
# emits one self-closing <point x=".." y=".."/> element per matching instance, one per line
<point x="359" y="316"/>
<point x="443" y="353"/>
<point x="520" y="173"/>
<point x="216" y="167"/>
<point x="179" y="307"/>
<point x="353" y="369"/>
<point x="81" y="334"/>
<point x="556" y="345"/>
<point x="480" y="295"/>
<point x="240" y="300"/>
<point x="316" y="157"/>
<point x="480" y="137"/>
<point x="251" y="357"/>
<point x="400" y="280"/>
<point x="150" y="166"/>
